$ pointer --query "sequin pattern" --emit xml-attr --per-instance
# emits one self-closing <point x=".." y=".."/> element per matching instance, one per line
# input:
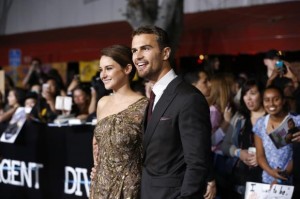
<point x="119" y="140"/>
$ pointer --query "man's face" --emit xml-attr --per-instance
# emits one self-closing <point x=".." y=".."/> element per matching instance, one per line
<point x="203" y="84"/>
<point x="147" y="56"/>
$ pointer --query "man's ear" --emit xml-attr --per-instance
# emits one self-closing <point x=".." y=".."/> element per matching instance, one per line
<point x="128" y="69"/>
<point x="166" y="53"/>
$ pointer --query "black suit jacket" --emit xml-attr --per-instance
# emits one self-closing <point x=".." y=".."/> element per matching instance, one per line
<point x="177" y="145"/>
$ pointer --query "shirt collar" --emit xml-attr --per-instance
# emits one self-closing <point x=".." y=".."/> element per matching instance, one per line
<point x="162" y="84"/>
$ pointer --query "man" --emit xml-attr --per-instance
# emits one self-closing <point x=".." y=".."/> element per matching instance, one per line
<point x="199" y="78"/>
<point x="177" y="136"/>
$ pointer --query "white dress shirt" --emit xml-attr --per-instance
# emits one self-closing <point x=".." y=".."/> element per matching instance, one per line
<point x="161" y="85"/>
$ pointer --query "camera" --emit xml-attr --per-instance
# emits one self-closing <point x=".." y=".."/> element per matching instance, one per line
<point x="281" y="67"/>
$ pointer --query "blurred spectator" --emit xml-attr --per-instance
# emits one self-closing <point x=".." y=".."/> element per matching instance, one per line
<point x="9" y="85"/>
<point x="199" y="78"/>
<point x="2" y="103"/>
<point x="54" y="74"/>
<point x="50" y="91"/>
<point x="270" y="59"/>
<point x="239" y="82"/>
<point x="81" y="99"/>
<point x="220" y="105"/>
<point x="212" y="65"/>
<point x="73" y="84"/>
<point x="272" y="160"/>
<point x="35" y="74"/>
<point x="97" y="91"/>
<point x="37" y="88"/>
<point x="44" y="110"/>
<point x="220" y="102"/>
<point x="30" y="101"/>
<point x="15" y="99"/>
<point x="241" y="164"/>
<point x="282" y="76"/>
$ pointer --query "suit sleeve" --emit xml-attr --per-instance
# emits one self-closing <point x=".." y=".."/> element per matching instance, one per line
<point x="195" y="132"/>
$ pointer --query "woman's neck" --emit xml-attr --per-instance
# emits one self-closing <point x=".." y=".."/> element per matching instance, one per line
<point x="277" y="118"/>
<point x="257" y="114"/>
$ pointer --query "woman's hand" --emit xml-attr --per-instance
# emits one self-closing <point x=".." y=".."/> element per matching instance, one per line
<point x="227" y="114"/>
<point x="296" y="137"/>
<point x="93" y="172"/>
<point x="248" y="158"/>
<point x="273" y="75"/>
<point x="275" y="173"/>
<point x="211" y="190"/>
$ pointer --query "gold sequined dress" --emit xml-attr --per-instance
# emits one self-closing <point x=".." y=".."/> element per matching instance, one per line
<point x="119" y="140"/>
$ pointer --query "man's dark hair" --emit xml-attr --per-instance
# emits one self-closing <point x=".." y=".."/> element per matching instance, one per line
<point x="192" y="76"/>
<point x="162" y="36"/>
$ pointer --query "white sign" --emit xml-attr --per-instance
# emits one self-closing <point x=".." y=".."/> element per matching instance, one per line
<point x="256" y="190"/>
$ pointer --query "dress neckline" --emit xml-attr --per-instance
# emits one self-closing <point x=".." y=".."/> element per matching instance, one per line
<point x="108" y="116"/>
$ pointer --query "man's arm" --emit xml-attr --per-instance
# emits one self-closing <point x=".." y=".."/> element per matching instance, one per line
<point x="195" y="131"/>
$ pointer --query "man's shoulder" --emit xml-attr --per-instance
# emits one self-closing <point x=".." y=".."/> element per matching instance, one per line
<point x="186" y="88"/>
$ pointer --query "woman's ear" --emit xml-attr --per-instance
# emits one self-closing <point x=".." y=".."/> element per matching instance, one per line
<point x="128" y="69"/>
<point x="166" y="53"/>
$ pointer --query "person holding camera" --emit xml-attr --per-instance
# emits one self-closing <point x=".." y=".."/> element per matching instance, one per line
<point x="35" y="74"/>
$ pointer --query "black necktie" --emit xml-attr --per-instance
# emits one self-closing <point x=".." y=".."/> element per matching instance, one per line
<point x="151" y="103"/>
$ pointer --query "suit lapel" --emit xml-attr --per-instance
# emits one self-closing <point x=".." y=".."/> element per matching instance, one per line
<point x="159" y="109"/>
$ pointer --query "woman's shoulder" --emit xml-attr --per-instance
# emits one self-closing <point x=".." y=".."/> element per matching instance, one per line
<point x="139" y="99"/>
<point x="260" y="123"/>
<point x="103" y="100"/>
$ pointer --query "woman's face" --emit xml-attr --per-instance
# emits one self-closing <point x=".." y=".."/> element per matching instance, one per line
<point x="51" y="86"/>
<point x="273" y="101"/>
<point x="79" y="97"/>
<point x="112" y="74"/>
<point x="252" y="99"/>
<point x="12" y="99"/>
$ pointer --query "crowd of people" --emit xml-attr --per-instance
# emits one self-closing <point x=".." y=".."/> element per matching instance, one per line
<point x="39" y="93"/>
<point x="201" y="134"/>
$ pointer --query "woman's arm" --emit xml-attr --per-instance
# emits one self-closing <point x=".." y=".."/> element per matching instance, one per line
<point x="95" y="150"/>
<point x="93" y="102"/>
<point x="8" y="114"/>
<point x="262" y="161"/>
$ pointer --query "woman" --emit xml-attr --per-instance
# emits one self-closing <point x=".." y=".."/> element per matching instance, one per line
<point x="117" y="146"/>
<point x="15" y="99"/>
<point x="220" y="101"/>
<point x="273" y="161"/>
<point x="81" y="99"/>
<point x="239" y="138"/>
